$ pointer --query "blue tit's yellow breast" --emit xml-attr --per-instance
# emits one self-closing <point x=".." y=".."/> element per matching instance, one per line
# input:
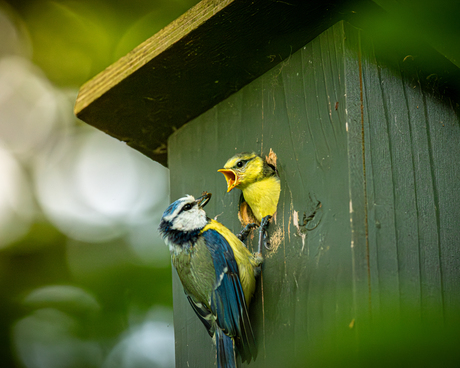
<point x="262" y="196"/>
<point x="244" y="259"/>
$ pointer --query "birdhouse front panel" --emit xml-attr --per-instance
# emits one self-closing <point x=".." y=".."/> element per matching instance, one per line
<point x="297" y="110"/>
<point x="367" y="217"/>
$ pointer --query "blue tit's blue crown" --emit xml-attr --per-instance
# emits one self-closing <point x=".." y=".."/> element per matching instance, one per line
<point x="172" y="207"/>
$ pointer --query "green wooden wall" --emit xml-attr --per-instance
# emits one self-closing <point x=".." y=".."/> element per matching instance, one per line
<point x="376" y="153"/>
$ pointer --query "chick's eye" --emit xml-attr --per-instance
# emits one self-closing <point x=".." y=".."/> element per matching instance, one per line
<point x="239" y="164"/>
<point x="187" y="207"/>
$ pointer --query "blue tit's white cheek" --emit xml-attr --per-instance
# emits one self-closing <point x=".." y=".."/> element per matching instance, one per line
<point x="190" y="220"/>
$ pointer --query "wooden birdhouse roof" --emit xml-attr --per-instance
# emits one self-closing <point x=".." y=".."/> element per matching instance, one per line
<point x="207" y="54"/>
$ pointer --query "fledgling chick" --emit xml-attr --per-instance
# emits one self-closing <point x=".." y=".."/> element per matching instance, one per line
<point x="259" y="184"/>
<point x="218" y="275"/>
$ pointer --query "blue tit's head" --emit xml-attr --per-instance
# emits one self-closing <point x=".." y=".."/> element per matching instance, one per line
<point x="186" y="215"/>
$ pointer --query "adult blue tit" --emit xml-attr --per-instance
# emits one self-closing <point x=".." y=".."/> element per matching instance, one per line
<point x="218" y="275"/>
<point x="260" y="187"/>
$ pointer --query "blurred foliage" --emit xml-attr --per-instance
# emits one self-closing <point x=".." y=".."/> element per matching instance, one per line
<point x="383" y="341"/>
<point x="70" y="296"/>
<point x="436" y="22"/>
<point x="422" y="35"/>
<point x="74" y="40"/>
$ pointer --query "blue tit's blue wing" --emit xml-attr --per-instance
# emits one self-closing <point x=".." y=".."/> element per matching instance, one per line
<point x="203" y="314"/>
<point x="227" y="300"/>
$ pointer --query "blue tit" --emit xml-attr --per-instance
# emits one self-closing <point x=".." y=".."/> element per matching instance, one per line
<point x="218" y="274"/>
<point x="260" y="186"/>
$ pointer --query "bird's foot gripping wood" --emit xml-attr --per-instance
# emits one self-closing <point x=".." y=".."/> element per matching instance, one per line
<point x="263" y="233"/>
<point x="245" y="232"/>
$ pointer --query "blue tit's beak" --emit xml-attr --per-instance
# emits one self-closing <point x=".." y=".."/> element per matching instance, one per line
<point x="203" y="200"/>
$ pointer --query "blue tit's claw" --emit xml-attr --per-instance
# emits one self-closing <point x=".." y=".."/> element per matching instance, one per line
<point x="267" y="243"/>
<point x="267" y="240"/>
<point x="245" y="232"/>
<point x="265" y="222"/>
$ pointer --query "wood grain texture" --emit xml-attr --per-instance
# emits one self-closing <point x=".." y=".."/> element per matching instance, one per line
<point x="411" y="187"/>
<point x="197" y="61"/>
<point x="357" y="179"/>
<point x="362" y="137"/>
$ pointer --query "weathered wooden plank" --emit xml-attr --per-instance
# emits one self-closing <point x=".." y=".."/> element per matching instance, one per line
<point x="210" y="52"/>
<point x="429" y="257"/>
<point x="329" y="255"/>
<point x="444" y="140"/>
<point x="357" y="179"/>
<point x="382" y="227"/>
<point x="403" y="186"/>
<point x="428" y="244"/>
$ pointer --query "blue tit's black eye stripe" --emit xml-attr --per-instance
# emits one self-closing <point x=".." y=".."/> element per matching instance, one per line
<point x="187" y="207"/>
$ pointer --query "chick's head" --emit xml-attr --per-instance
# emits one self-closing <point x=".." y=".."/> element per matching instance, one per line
<point x="242" y="170"/>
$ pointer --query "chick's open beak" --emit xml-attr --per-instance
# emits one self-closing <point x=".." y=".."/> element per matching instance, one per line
<point x="203" y="200"/>
<point x="232" y="178"/>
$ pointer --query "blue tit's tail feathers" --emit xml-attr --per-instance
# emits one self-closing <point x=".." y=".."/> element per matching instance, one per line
<point x="228" y="303"/>
<point x="245" y="342"/>
<point x="225" y="351"/>
<point x="232" y="316"/>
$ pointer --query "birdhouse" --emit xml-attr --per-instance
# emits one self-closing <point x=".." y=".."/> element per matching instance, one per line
<point x="364" y="126"/>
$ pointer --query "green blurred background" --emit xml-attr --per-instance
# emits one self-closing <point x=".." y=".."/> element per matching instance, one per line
<point x="85" y="280"/>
